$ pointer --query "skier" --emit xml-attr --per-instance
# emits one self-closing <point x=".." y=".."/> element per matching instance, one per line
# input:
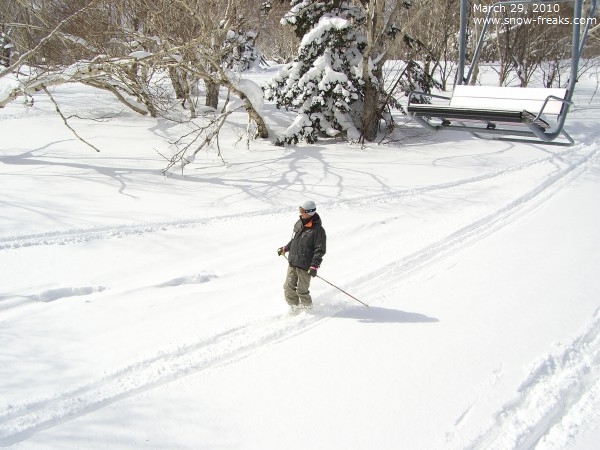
<point x="306" y="250"/>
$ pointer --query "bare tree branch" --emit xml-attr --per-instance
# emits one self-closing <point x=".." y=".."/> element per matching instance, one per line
<point x="65" y="120"/>
<point x="208" y="136"/>
<point x="11" y="68"/>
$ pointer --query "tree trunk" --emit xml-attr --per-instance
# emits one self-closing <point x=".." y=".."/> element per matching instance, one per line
<point x="177" y="83"/>
<point x="261" y="126"/>
<point x="212" y="93"/>
<point x="475" y="74"/>
<point x="371" y="113"/>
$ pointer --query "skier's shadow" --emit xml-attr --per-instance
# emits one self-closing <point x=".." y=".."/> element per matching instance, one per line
<point x="376" y="314"/>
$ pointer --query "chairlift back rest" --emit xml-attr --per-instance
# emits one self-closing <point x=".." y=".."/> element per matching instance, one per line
<point x="507" y="98"/>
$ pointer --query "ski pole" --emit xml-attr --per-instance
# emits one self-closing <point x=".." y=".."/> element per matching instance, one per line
<point x="341" y="290"/>
<point x="338" y="288"/>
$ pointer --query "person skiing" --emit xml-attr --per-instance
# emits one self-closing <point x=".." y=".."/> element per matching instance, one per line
<point x="306" y="250"/>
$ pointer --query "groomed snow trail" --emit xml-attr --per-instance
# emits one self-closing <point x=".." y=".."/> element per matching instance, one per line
<point x="561" y="382"/>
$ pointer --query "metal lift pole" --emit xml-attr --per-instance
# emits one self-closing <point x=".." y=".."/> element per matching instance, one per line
<point x="462" y="45"/>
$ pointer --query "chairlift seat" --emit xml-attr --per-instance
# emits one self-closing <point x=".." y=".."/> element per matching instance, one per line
<point x="488" y="109"/>
<point x="504" y="113"/>
<point x="490" y="116"/>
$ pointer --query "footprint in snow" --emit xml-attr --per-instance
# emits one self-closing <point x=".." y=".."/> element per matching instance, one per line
<point x="191" y="279"/>
<point x="56" y="294"/>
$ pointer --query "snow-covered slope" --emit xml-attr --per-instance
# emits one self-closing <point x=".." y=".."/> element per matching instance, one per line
<point x="142" y="311"/>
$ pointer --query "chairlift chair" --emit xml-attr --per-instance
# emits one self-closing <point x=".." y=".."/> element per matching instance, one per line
<point x="503" y="113"/>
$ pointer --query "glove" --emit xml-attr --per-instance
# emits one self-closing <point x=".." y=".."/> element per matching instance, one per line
<point x="313" y="271"/>
<point x="281" y="251"/>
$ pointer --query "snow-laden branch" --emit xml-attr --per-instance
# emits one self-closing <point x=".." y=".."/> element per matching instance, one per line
<point x="82" y="71"/>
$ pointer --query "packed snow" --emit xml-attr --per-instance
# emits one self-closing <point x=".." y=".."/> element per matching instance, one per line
<point x="146" y="311"/>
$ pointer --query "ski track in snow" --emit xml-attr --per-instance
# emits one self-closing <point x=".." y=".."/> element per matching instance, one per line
<point x="119" y="231"/>
<point x="499" y="218"/>
<point x="562" y="385"/>
<point x="22" y="421"/>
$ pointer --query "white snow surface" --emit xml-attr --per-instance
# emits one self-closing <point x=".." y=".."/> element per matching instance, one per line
<point x="144" y="311"/>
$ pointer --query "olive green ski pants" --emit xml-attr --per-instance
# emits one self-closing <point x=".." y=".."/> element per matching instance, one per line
<point x="296" y="287"/>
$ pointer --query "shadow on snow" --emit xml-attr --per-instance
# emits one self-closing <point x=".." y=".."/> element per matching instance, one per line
<point x="376" y="314"/>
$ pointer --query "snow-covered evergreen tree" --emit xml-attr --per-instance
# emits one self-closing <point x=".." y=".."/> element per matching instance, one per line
<point x="240" y="50"/>
<point x="5" y="49"/>
<point x="323" y="83"/>
<point x="335" y="83"/>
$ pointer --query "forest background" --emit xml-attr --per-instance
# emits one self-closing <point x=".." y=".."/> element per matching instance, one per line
<point x="348" y="64"/>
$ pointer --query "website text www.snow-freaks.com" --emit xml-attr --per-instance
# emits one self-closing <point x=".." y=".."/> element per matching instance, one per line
<point x="535" y="20"/>
<point x="527" y="14"/>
